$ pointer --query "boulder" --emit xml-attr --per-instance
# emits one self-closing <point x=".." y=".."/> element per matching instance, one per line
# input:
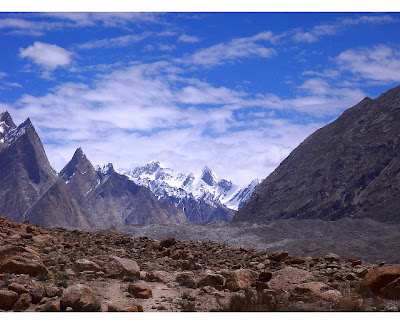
<point x="167" y="242"/>
<point x="391" y="290"/>
<point x="213" y="280"/>
<point x="379" y="277"/>
<point x="7" y="299"/>
<point x="278" y="256"/>
<point x="18" y="288"/>
<point x="187" y="279"/>
<point x="116" y="267"/>
<point x="80" y="298"/>
<point x="289" y="277"/>
<point x="317" y="291"/>
<point x="140" y="290"/>
<point x="19" y="260"/>
<point x="331" y="257"/>
<point x="23" y="302"/>
<point x="81" y="265"/>
<point x="37" y="294"/>
<point x="239" y="279"/>
<point x="123" y="307"/>
<point x="159" y="276"/>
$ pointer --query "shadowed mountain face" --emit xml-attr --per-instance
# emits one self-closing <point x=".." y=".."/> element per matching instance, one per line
<point x="108" y="198"/>
<point x="350" y="167"/>
<point x="25" y="172"/>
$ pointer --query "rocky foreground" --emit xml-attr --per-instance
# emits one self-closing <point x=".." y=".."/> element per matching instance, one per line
<point x="44" y="269"/>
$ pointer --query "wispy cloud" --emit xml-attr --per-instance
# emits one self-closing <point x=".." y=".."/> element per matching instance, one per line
<point x="120" y="41"/>
<point x="380" y="63"/>
<point x="235" y="49"/>
<point x="188" y="39"/>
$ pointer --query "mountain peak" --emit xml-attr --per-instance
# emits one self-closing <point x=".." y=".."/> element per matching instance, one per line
<point x="6" y="118"/>
<point x="208" y="176"/>
<point x="79" y="162"/>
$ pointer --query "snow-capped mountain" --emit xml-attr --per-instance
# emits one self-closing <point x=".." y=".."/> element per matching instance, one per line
<point x="165" y="182"/>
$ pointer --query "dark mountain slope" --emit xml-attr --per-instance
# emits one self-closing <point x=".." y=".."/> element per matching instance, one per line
<point x="350" y="167"/>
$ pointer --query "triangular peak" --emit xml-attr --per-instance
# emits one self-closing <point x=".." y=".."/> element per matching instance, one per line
<point x="6" y="118"/>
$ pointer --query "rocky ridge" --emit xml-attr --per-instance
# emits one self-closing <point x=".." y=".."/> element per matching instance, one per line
<point x="44" y="269"/>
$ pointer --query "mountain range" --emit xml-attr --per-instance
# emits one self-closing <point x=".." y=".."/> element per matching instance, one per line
<point x="84" y="196"/>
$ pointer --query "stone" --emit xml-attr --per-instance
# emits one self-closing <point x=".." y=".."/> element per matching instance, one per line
<point x="331" y="257"/>
<point x="379" y="277"/>
<point x="264" y="276"/>
<point x="159" y="276"/>
<point x="140" y="290"/>
<point x="7" y="299"/>
<point x="37" y="294"/>
<point x="187" y="279"/>
<point x="391" y="290"/>
<point x="51" y="306"/>
<point x="317" y="291"/>
<point x="167" y="242"/>
<point x="289" y="277"/>
<point x="213" y="280"/>
<point x="239" y="279"/>
<point x="278" y="256"/>
<point x="116" y="267"/>
<point x="52" y="291"/>
<point x="20" y="260"/>
<point x="18" y="288"/>
<point x="123" y="307"/>
<point x="23" y="302"/>
<point x="360" y="271"/>
<point x="80" y="298"/>
<point x="81" y="265"/>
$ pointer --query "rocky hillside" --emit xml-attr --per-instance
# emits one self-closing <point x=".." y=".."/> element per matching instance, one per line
<point x="349" y="168"/>
<point x="45" y="269"/>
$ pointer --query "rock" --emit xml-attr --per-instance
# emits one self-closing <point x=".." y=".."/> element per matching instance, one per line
<point x="330" y="257"/>
<point x="80" y="298"/>
<point x="213" y="280"/>
<point x="18" y="288"/>
<point x="317" y="291"/>
<point x="264" y="276"/>
<point x="239" y="279"/>
<point x="116" y="267"/>
<point x="7" y="299"/>
<point x="360" y="271"/>
<point x="140" y="290"/>
<point x="23" y="302"/>
<point x="81" y="265"/>
<point x="289" y="277"/>
<point x="37" y="294"/>
<point x="52" y="291"/>
<point x="278" y="256"/>
<point x="187" y="279"/>
<point x="123" y="307"/>
<point x="18" y="260"/>
<point x="159" y="276"/>
<point x="379" y="277"/>
<point x="167" y="242"/>
<point x="391" y="290"/>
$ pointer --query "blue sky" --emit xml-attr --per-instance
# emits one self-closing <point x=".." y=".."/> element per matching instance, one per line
<point x="234" y="91"/>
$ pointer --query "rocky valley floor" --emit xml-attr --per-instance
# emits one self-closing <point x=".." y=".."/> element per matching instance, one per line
<point x="44" y="269"/>
<point x="365" y="239"/>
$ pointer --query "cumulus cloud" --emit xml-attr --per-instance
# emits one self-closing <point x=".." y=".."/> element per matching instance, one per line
<point x="47" y="56"/>
<point x="380" y="63"/>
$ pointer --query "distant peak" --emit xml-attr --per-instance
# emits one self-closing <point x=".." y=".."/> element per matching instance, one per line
<point x="6" y="118"/>
<point x="208" y="176"/>
<point x="108" y="169"/>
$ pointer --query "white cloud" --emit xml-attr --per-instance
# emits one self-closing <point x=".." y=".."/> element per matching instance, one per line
<point x="304" y="37"/>
<point x="235" y="49"/>
<point x="120" y="41"/>
<point x="46" y="55"/>
<point x="380" y="63"/>
<point x="188" y="39"/>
